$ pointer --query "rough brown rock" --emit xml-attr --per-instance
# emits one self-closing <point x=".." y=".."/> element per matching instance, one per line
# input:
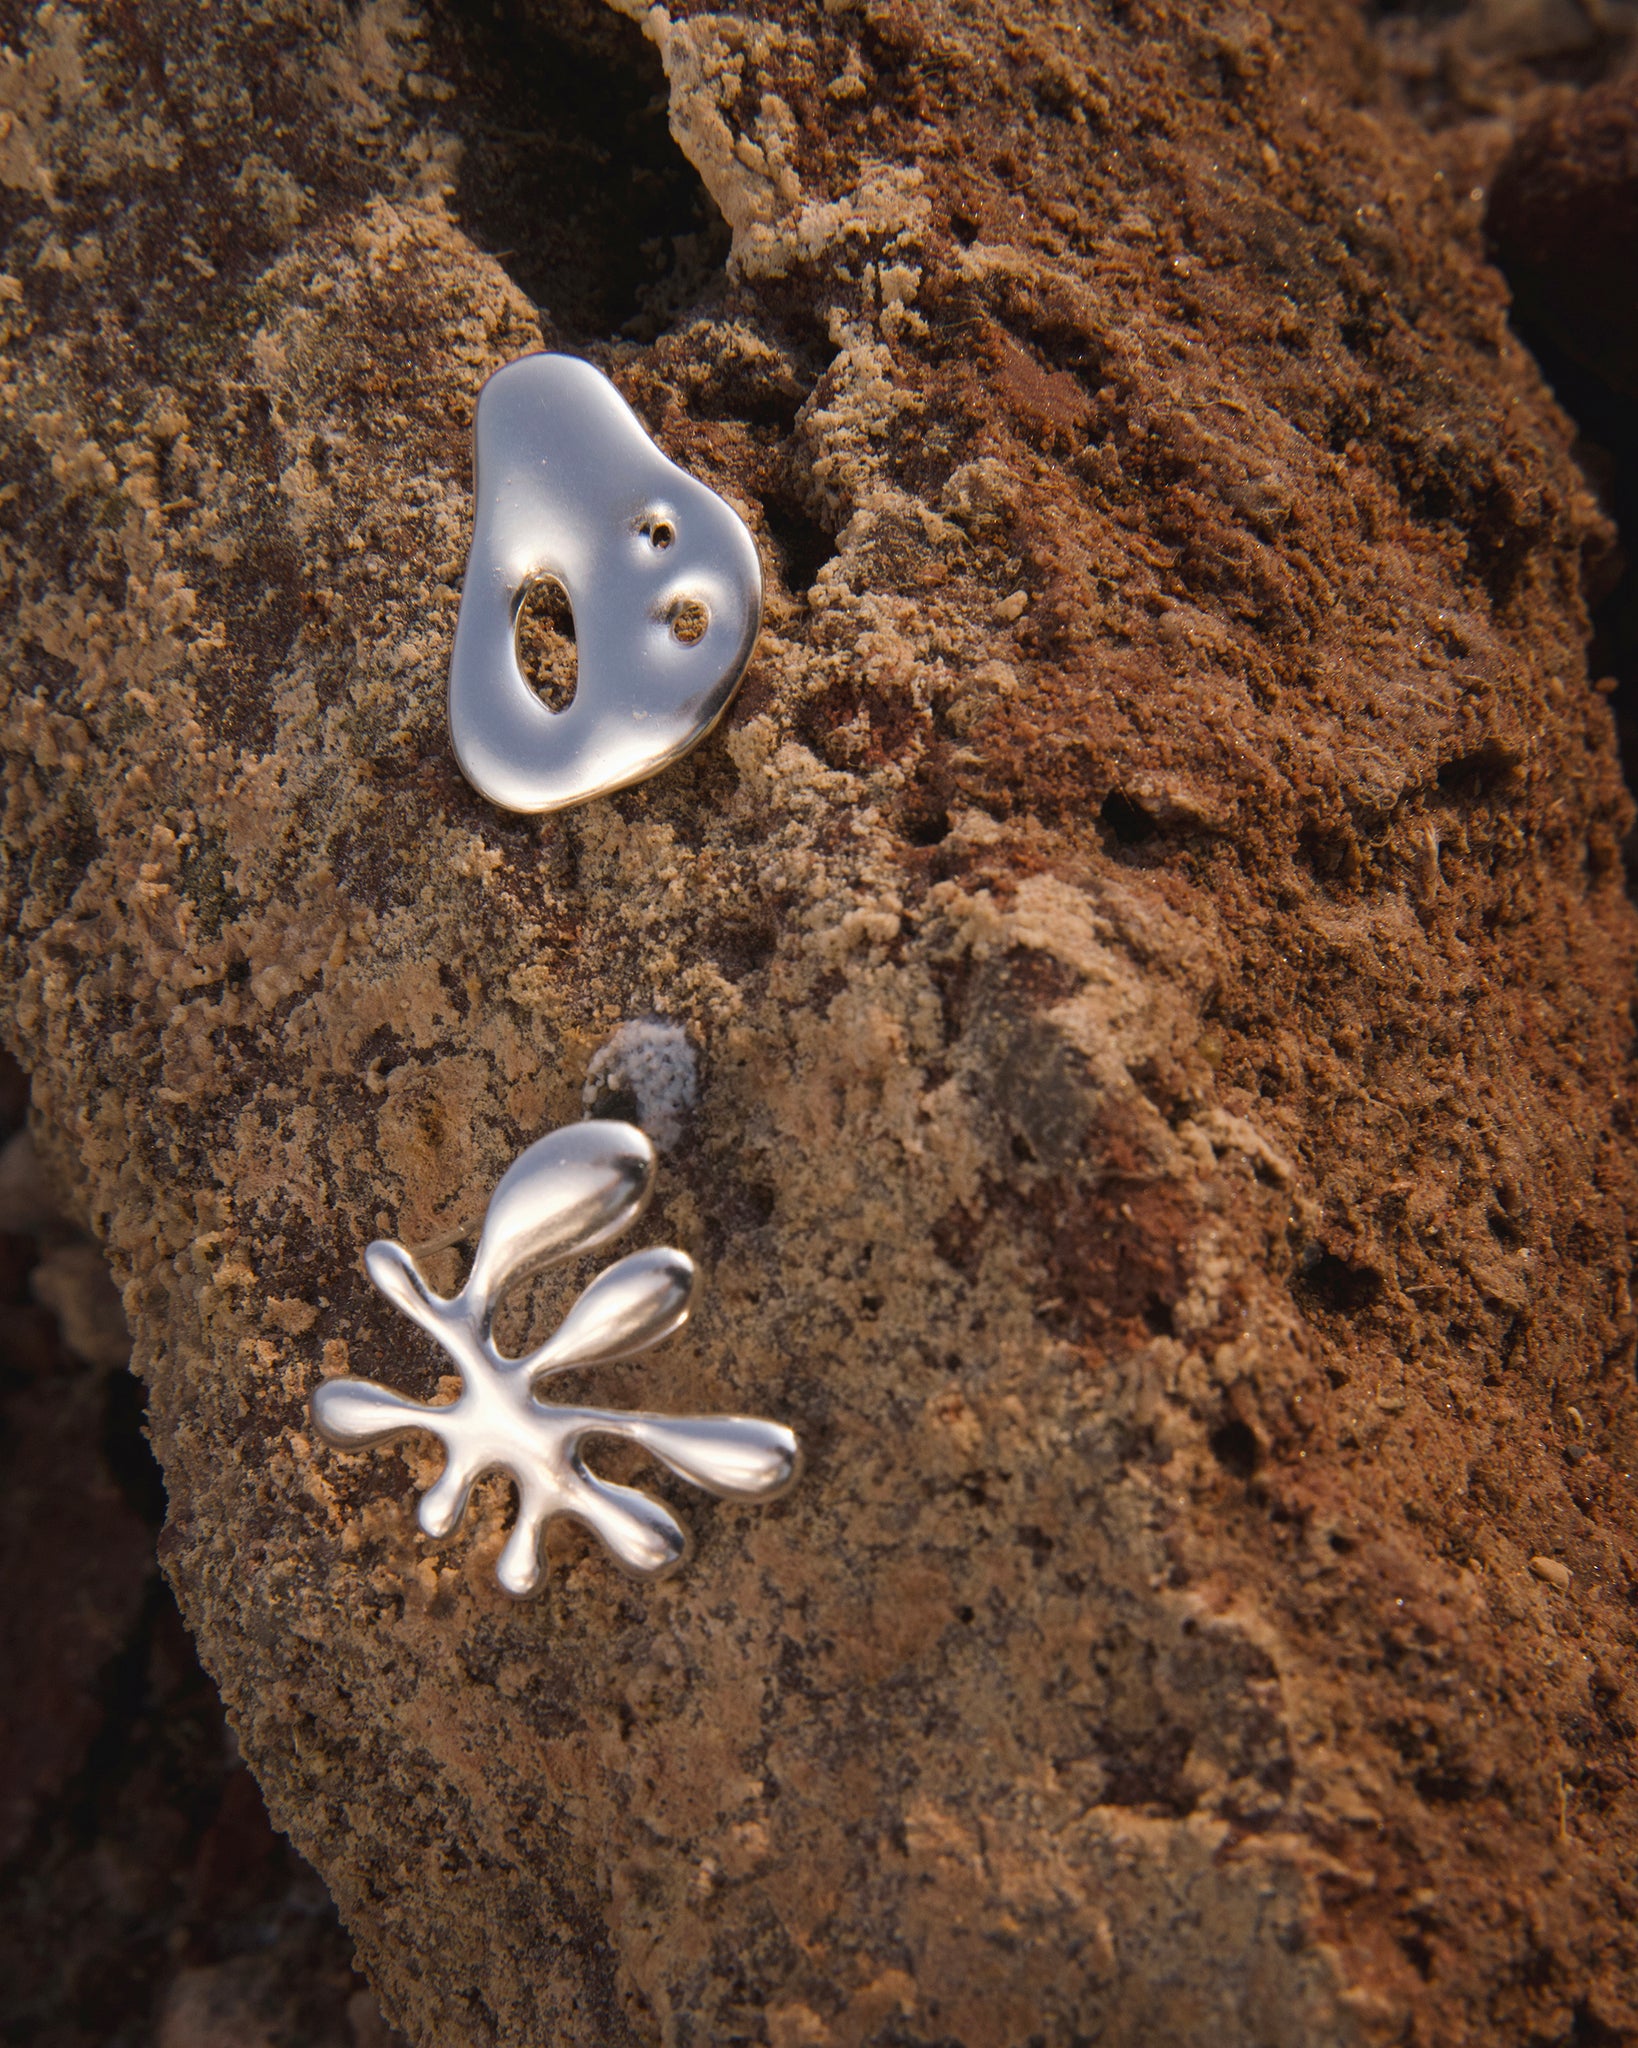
<point x="147" y="1898"/>
<point x="1153" y="930"/>
<point x="1564" y="216"/>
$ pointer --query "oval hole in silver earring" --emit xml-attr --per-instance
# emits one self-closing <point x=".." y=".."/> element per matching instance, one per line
<point x="544" y="631"/>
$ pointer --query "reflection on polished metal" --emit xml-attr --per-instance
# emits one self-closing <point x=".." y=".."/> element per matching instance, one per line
<point x="663" y="579"/>
<point x="568" y="1194"/>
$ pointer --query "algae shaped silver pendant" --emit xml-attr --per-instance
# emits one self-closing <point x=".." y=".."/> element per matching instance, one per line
<point x="569" y="1193"/>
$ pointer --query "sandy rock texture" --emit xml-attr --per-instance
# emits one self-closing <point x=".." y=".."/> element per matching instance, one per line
<point x="1152" y="933"/>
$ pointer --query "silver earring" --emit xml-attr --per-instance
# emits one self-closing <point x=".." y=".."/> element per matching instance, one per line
<point x="662" y="576"/>
<point x="569" y="1193"/>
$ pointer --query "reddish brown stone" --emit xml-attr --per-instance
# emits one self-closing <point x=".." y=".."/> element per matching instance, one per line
<point x="1154" y="929"/>
<point x="1564" y="220"/>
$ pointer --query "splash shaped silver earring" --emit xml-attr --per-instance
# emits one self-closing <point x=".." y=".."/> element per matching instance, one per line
<point x="569" y="1193"/>
<point x="662" y="577"/>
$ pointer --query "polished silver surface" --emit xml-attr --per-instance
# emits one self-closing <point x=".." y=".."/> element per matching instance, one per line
<point x="569" y="1193"/>
<point x="662" y="576"/>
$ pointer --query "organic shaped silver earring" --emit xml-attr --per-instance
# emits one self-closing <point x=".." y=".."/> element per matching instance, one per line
<point x="662" y="577"/>
<point x="568" y="1193"/>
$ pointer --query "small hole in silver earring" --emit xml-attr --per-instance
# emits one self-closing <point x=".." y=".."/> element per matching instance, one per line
<point x="661" y="533"/>
<point x="689" y="619"/>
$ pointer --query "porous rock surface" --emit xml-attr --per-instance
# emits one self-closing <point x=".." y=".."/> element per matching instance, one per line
<point x="1152" y="930"/>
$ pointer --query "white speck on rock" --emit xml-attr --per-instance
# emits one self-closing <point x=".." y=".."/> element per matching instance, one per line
<point x="651" y="1060"/>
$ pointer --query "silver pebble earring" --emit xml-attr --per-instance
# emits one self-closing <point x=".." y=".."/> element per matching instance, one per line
<point x="662" y="576"/>
<point x="569" y="1193"/>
